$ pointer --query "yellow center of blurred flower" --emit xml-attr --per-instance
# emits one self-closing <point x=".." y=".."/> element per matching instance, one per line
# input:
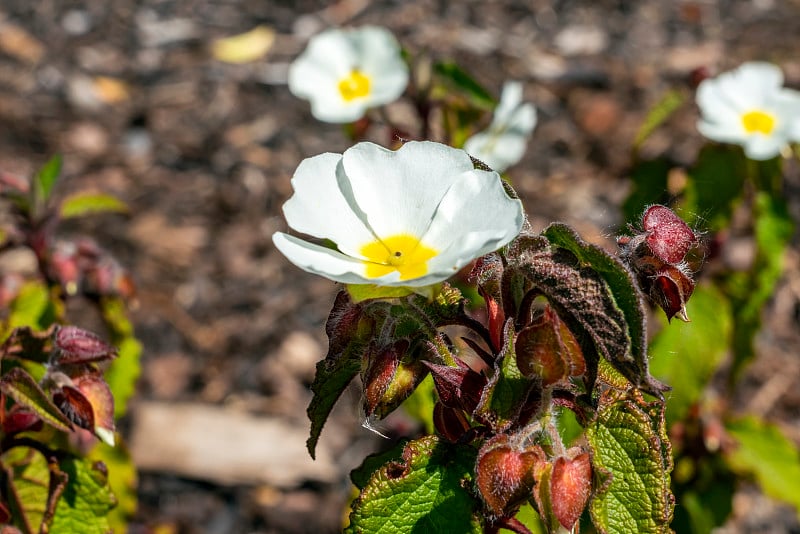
<point x="402" y="253"/>
<point x="356" y="85"/>
<point x="758" y="122"/>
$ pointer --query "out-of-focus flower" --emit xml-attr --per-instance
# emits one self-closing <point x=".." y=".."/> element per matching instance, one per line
<point x="503" y="143"/>
<point x="345" y="72"/>
<point x="406" y="218"/>
<point x="750" y="107"/>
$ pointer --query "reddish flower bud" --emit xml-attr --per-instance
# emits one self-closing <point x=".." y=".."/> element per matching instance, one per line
<point x="668" y="237"/>
<point x="89" y="404"/>
<point x="449" y="422"/>
<point x="548" y="349"/>
<point x="504" y="474"/>
<point x="458" y="387"/>
<point x="670" y="289"/>
<point x="76" y="345"/>
<point x="570" y="488"/>
<point x="19" y="420"/>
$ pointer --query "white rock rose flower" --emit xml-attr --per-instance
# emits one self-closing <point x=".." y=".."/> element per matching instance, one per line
<point x="750" y="107"/>
<point x="406" y="218"/>
<point x="503" y="143"/>
<point x="345" y="72"/>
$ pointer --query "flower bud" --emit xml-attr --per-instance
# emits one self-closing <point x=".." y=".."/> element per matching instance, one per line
<point x="76" y="346"/>
<point x="504" y="474"/>
<point x="548" y="349"/>
<point x="570" y="488"/>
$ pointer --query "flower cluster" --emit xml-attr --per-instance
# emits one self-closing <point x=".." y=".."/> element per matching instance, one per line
<point x="409" y="218"/>
<point x="750" y="107"/>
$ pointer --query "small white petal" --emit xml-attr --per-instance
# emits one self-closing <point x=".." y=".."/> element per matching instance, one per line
<point x="762" y="147"/>
<point x="399" y="190"/>
<point x="723" y="133"/>
<point x="319" y="260"/>
<point x="319" y="208"/>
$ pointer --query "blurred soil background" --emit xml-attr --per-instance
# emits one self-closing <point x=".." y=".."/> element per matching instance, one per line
<point x="203" y="151"/>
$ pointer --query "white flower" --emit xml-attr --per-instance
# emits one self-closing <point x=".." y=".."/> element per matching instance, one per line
<point x="503" y="143"/>
<point x="750" y="107"/>
<point x="345" y="72"/>
<point x="406" y="218"/>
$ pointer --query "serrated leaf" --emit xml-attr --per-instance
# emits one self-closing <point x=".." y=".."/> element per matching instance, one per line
<point x="427" y="491"/>
<point x="27" y="487"/>
<point x="84" y="203"/>
<point x="123" y="372"/>
<point x="763" y="452"/>
<point x="87" y="499"/>
<point x="686" y="355"/>
<point x="624" y="292"/>
<point x="361" y="475"/>
<point x="21" y="387"/>
<point x="660" y="112"/>
<point x="631" y="450"/>
<point x="461" y="81"/>
<point x="45" y="179"/>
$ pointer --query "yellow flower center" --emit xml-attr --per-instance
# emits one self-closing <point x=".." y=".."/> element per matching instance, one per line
<point x="402" y="253"/>
<point x="758" y="122"/>
<point x="356" y="85"/>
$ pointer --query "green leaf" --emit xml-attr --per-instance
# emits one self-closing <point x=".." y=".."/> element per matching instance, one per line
<point x="32" y="307"/>
<point x="527" y="516"/>
<point x="631" y="451"/>
<point x="624" y="292"/>
<point x="87" y="499"/>
<point x="21" y="387"/>
<point x="123" y="372"/>
<point x="507" y="389"/>
<point x="349" y="332"/>
<point x="458" y="79"/>
<point x="765" y="453"/>
<point x="425" y="492"/>
<point x="361" y="292"/>
<point x="83" y="505"/>
<point x="715" y="184"/>
<point x="362" y="474"/>
<point x="663" y="109"/>
<point x="686" y="355"/>
<point x="751" y="290"/>
<point x="84" y="203"/>
<point x="122" y="479"/>
<point x="45" y="179"/>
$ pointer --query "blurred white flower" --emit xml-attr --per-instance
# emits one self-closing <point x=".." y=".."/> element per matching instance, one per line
<point x="345" y="72"/>
<point x="406" y="218"/>
<point x="750" y="107"/>
<point x="503" y="143"/>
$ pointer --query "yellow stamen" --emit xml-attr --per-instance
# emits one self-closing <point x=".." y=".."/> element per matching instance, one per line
<point x="402" y="253"/>
<point x="356" y="85"/>
<point x="758" y="122"/>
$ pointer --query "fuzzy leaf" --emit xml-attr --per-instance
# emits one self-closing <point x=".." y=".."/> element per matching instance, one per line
<point x="424" y="492"/>
<point x="349" y="333"/>
<point x="21" y="387"/>
<point x="84" y="203"/>
<point x="632" y="452"/>
<point x="766" y="454"/>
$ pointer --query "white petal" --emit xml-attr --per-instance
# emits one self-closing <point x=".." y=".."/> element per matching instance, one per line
<point x="319" y="208"/>
<point x="724" y="133"/>
<point x="334" y="48"/>
<point x="714" y="105"/>
<point x="497" y="151"/>
<point x="399" y="190"/>
<point x="510" y="99"/>
<point x="475" y="217"/>
<point x="762" y="147"/>
<point x="759" y="80"/>
<point x="320" y="260"/>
